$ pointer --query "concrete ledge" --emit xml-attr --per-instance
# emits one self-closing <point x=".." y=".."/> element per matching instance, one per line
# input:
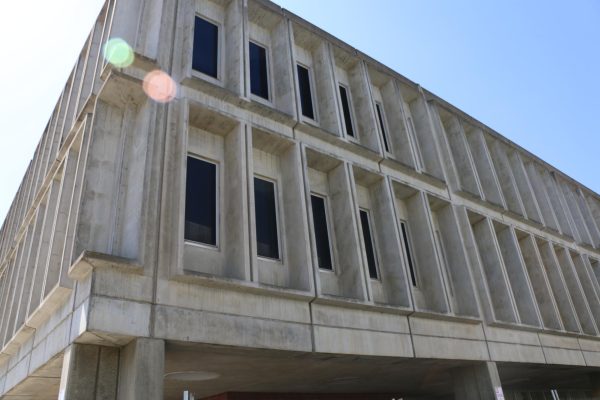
<point x="121" y="317"/>
<point x="563" y="356"/>
<point x="446" y="348"/>
<point x="505" y="335"/>
<point x="316" y="137"/>
<point x="435" y="338"/>
<point x="120" y="87"/>
<point x="591" y="351"/>
<point x="12" y="347"/>
<point x="516" y="353"/>
<point x="437" y="316"/>
<point x="412" y="178"/>
<point x="88" y="260"/>
<point x="186" y="325"/>
<point x="363" y="342"/>
<point x="122" y="284"/>
<point x="103" y="339"/>
<point x="195" y="84"/>
<point x="348" y="303"/>
<point x="589" y="345"/>
<point x="232" y="300"/>
<point x="359" y="319"/>
<point x="592" y="359"/>
<point x="559" y="341"/>
<point x="447" y="329"/>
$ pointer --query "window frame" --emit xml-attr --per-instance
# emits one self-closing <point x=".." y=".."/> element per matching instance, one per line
<point x="220" y="50"/>
<point x="330" y="233"/>
<point x="373" y="243"/>
<point x="410" y="261"/>
<point x="269" y="100"/>
<point x="278" y="220"/>
<point x="385" y="128"/>
<point x="217" y="245"/>
<point x="346" y="87"/>
<point x="311" y="84"/>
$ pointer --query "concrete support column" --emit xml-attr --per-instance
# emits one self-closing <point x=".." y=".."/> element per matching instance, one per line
<point x="141" y="370"/>
<point x="477" y="382"/>
<point x="595" y="380"/>
<point x="89" y="372"/>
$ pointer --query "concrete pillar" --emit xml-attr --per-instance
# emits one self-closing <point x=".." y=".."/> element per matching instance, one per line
<point x="595" y="380"/>
<point x="89" y="373"/>
<point x="477" y="382"/>
<point x="141" y="370"/>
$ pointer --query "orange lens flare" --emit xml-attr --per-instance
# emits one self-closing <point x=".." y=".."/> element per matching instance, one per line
<point x="159" y="86"/>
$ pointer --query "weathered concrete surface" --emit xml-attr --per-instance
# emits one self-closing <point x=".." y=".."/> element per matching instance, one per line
<point x="95" y="271"/>
<point x="141" y="370"/>
<point x="89" y="372"/>
<point x="479" y="382"/>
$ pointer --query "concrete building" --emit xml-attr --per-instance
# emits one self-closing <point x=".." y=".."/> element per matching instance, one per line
<point x="299" y="222"/>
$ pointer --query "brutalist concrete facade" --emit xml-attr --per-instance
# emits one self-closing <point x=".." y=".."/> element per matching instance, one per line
<point x="101" y="297"/>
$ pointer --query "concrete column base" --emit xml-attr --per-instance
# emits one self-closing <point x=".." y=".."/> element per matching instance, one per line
<point x="477" y="382"/>
<point x="89" y="373"/>
<point x="141" y="370"/>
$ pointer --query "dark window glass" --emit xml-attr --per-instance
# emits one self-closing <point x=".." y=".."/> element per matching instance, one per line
<point x="201" y="202"/>
<point x="346" y="110"/>
<point x="305" y="92"/>
<point x="321" y="232"/>
<point x="407" y="250"/>
<point x="206" y="47"/>
<point x="382" y="126"/>
<point x="266" y="219"/>
<point x="259" y="84"/>
<point x="369" y="247"/>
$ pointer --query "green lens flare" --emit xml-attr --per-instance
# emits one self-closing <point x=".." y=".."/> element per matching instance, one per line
<point x="118" y="53"/>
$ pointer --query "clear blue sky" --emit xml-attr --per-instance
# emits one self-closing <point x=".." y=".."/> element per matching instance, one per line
<point x="528" y="69"/>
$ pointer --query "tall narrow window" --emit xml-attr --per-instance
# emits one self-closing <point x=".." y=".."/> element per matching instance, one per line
<point x="346" y="110"/>
<point x="321" y="232"/>
<point x="206" y="47"/>
<point x="259" y="83"/>
<point x="408" y="252"/>
<point x="305" y="93"/>
<point x="369" y="246"/>
<point x="380" y="116"/>
<point x="265" y="211"/>
<point x="201" y="202"/>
